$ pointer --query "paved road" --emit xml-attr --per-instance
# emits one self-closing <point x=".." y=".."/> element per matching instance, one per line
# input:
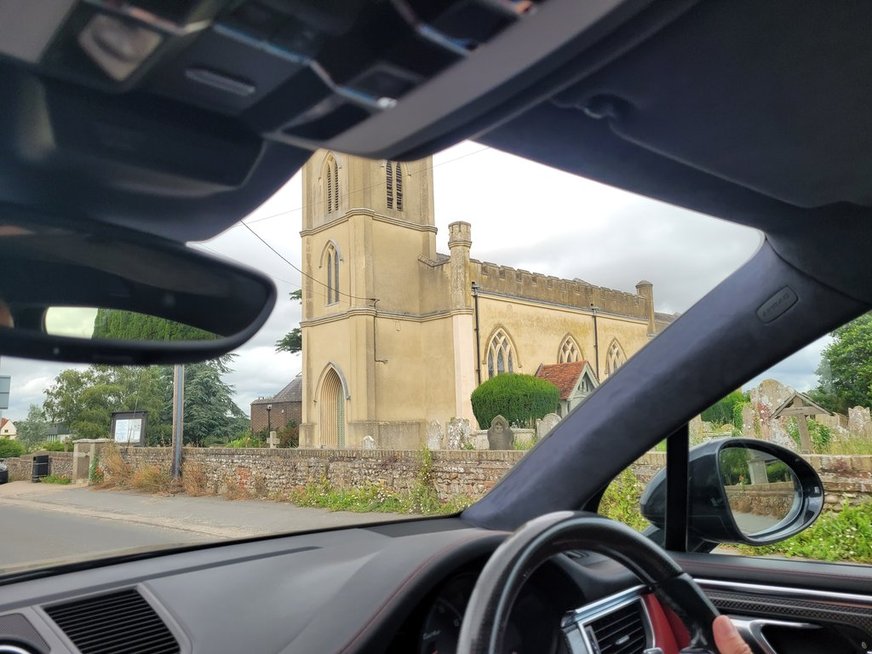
<point x="32" y="535"/>
<point x="46" y="522"/>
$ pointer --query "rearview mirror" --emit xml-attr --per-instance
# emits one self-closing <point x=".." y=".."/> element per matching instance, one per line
<point x="93" y="293"/>
<point x="742" y="490"/>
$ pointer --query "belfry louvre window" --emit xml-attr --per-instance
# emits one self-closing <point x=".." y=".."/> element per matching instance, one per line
<point x="569" y="351"/>
<point x="331" y="174"/>
<point x="500" y="354"/>
<point x="331" y="261"/>
<point x="394" y="185"/>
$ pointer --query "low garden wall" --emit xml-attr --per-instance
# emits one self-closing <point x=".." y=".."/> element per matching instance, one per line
<point x="21" y="468"/>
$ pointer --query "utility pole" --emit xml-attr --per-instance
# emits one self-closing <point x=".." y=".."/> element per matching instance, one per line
<point x="178" y="418"/>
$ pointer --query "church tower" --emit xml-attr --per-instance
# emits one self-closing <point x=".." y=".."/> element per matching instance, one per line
<point x="368" y="234"/>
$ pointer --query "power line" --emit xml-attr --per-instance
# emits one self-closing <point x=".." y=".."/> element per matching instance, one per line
<point x="221" y="254"/>
<point x="365" y="188"/>
<point x="304" y="274"/>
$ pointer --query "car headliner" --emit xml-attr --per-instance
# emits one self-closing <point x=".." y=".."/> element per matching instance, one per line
<point x="754" y="112"/>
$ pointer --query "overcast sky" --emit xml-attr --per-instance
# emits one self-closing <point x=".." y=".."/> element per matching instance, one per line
<point x="523" y="215"/>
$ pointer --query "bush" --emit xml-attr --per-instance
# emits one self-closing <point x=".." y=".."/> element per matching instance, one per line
<point x="520" y="399"/>
<point x="246" y="441"/>
<point x="289" y="435"/>
<point x="844" y="535"/>
<point x="819" y="435"/>
<point x="10" y="449"/>
<point x="722" y="412"/>
<point x="56" y="479"/>
<point x="54" y="446"/>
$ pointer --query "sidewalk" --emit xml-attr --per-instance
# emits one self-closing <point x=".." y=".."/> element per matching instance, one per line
<point x="209" y="516"/>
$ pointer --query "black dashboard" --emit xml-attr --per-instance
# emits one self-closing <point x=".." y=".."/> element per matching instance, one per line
<point x="400" y="587"/>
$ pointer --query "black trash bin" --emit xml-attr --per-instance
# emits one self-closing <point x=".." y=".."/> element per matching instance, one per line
<point x="41" y="464"/>
<point x="4" y="473"/>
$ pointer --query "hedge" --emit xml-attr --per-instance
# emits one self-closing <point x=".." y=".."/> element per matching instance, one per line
<point x="520" y="399"/>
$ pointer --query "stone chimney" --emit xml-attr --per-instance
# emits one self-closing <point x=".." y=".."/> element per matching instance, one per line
<point x="645" y="289"/>
<point x="459" y="242"/>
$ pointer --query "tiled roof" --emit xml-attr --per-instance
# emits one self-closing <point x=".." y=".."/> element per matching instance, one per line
<point x="3" y="422"/>
<point x="293" y="392"/>
<point x="563" y="375"/>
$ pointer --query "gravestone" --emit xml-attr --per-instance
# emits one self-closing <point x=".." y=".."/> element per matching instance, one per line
<point x="859" y="421"/>
<point x="499" y="436"/>
<point x="368" y="442"/>
<point x="273" y="440"/>
<point x="749" y="418"/>
<point x="434" y="435"/>
<point x="545" y="424"/>
<point x="457" y="433"/>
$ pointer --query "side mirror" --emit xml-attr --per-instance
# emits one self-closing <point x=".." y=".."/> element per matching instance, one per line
<point x="742" y="490"/>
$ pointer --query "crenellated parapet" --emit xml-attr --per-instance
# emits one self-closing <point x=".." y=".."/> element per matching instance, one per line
<point x="572" y="292"/>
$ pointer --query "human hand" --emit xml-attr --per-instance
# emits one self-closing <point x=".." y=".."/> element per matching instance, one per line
<point x="727" y="638"/>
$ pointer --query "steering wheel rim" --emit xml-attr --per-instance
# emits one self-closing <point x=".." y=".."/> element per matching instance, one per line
<point x="499" y="584"/>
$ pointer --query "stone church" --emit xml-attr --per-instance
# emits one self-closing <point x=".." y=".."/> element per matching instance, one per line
<point x="396" y="335"/>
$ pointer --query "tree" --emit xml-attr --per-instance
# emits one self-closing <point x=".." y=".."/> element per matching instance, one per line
<point x="85" y="400"/>
<point x="845" y="370"/>
<point x="121" y="325"/>
<point x="520" y="399"/>
<point x="34" y="428"/>
<point x="292" y="341"/>
<point x="210" y="411"/>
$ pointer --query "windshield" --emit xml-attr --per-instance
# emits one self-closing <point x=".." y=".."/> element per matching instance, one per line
<point x="418" y="301"/>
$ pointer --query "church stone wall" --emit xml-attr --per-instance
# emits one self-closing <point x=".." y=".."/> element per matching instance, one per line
<point x="537" y="332"/>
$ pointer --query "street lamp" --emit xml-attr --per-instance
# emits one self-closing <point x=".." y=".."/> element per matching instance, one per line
<point x="268" y="421"/>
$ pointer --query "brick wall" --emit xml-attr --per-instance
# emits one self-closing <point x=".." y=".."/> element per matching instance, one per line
<point x="277" y="420"/>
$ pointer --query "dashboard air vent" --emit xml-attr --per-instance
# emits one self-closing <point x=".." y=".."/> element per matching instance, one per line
<point x="116" y="622"/>
<point x="620" y="632"/>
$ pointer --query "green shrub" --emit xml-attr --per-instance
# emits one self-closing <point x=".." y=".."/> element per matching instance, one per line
<point x="722" y="412"/>
<point x="246" y="441"/>
<point x="844" y="535"/>
<point x="54" y="446"/>
<point x="56" y="479"/>
<point x="820" y="435"/>
<point x="10" y="449"/>
<point x="520" y="399"/>
<point x="621" y="501"/>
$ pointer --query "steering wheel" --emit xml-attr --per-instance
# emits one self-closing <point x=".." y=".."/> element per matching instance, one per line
<point x="487" y="613"/>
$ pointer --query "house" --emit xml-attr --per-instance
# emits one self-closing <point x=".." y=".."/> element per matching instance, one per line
<point x="574" y="380"/>
<point x="7" y="429"/>
<point x="284" y="407"/>
<point x="58" y="432"/>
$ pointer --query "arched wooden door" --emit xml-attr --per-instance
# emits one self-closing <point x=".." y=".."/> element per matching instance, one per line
<point x="332" y="411"/>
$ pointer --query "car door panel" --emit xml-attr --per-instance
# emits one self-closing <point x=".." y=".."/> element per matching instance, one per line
<point x="790" y="606"/>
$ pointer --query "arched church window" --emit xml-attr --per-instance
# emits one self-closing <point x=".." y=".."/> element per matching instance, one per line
<point x="330" y="260"/>
<point x="500" y="354"/>
<point x="331" y="175"/>
<point x="569" y="351"/>
<point x="615" y="357"/>
<point x="394" y="185"/>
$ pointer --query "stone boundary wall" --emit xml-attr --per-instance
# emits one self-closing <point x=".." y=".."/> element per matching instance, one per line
<point x="275" y="471"/>
<point x="847" y="479"/>
<point x="773" y="500"/>
<point x="21" y="468"/>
